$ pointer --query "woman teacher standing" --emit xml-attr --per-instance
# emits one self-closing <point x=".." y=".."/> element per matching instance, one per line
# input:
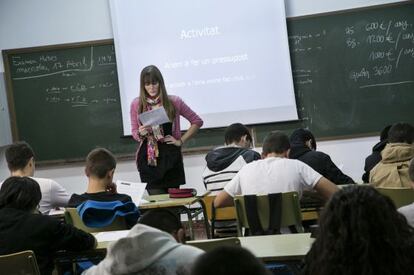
<point x="159" y="158"/>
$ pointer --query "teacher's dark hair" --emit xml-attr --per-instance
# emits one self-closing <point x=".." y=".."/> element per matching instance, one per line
<point x="20" y="193"/>
<point x="151" y="74"/>
<point x="361" y="232"/>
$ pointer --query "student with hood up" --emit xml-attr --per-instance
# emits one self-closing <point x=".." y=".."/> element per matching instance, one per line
<point x="303" y="148"/>
<point x="153" y="246"/>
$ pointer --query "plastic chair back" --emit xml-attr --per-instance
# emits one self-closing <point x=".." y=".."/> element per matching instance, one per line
<point x="217" y="215"/>
<point x="290" y="212"/>
<point x="19" y="263"/>
<point x="399" y="195"/>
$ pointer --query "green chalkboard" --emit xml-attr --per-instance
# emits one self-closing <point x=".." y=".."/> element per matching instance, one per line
<point x="353" y="71"/>
<point x="64" y="100"/>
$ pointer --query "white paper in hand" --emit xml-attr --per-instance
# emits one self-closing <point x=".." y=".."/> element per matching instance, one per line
<point x="134" y="189"/>
<point x="154" y="117"/>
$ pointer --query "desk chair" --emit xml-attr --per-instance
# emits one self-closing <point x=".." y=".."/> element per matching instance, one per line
<point x="77" y="261"/>
<point x="218" y="215"/>
<point x="270" y="220"/>
<point x="72" y="217"/>
<point x="19" y="263"/>
<point x="399" y="195"/>
<point x="208" y="245"/>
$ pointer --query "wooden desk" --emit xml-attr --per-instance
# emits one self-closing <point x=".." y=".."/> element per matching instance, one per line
<point x="185" y="204"/>
<point x="269" y="248"/>
<point x="164" y="201"/>
<point x="105" y="238"/>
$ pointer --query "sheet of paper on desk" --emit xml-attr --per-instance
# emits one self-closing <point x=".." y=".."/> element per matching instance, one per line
<point x="154" y="117"/>
<point x="110" y="236"/>
<point x="56" y="212"/>
<point x="134" y="189"/>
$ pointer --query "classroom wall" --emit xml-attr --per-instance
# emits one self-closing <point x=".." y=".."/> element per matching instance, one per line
<point x="28" y="23"/>
<point x="5" y="130"/>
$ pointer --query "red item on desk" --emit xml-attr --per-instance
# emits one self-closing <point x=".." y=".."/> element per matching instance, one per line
<point x="182" y="193"/>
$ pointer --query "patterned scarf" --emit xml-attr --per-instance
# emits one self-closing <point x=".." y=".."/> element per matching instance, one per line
<point x="154" y="135"/>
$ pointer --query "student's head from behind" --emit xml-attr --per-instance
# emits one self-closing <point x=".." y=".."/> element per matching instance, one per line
<point x="277" y="143"/>
<point x="401" y="133"/>
<point x="301" y="137"/>
<point x="20" y="157"/>
<point x="360" y="232"/>
<point x="100" y="164"/>
<point x="164" y="220"/>
<point x="20" y="193"/>
<point x="384" y="133"/>
<point x="228" y="260"/>
<point x="238" y="134"/>
<point x="151" y="86"/>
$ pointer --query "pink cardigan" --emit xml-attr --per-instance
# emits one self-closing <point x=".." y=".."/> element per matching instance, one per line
<point x="180" y="109"/>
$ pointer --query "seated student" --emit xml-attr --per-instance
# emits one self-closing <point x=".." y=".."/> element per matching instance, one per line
<point x="21" y="163"/>
<point x="408" y="210"/>
<point x="360" y="232"/>
<point x="100" y="169"/>
<point x="275" y="173"/>
<point x="224" y="162"/>
<point x="392" y="170"/>
<point x="227" y="260"/>
<point x="23" y="228"/>
<point x="303" y="148"/>
<point x="375" y="156"/>
<point x="153" y="246"/>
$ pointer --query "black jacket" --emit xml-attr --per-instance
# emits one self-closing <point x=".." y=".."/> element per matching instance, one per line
<point x="21" y="230"/>
<point x="224" y="163"/>
<point x="76" y="199"/>
<point x="321" y="163"/>
<point x="373" y="159"/>
<point x="220" y="158"/>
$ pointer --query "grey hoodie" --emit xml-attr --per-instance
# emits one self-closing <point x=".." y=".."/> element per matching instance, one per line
<point x="146" y="250"/>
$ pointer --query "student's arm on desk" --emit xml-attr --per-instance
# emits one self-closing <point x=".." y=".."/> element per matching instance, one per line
<point x="325" y="188"/>
<point x="68" y="237"/>
<point x="223" y="199"/>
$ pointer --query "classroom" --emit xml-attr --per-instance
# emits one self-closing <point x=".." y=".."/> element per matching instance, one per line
<point x="79" y="21"/>
<point x="26" y="24"/>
